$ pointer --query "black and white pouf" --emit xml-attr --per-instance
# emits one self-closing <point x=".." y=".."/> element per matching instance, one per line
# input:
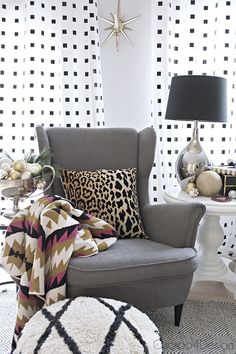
<point x="89" y="325"/>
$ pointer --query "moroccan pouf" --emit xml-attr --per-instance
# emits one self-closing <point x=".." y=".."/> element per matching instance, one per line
<point x="89" y="325"/>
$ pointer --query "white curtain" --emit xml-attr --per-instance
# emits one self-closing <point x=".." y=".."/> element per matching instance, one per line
<point x="50" y="69"/>
<point x="192" y="37"/>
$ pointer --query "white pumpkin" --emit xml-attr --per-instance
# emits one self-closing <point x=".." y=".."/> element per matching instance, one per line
<point x="26" y="175"/>
<point x="34" y="168"/>
<point x="232" y="194"/>
<point x="5" y="159"/>
<point x="6" y="166"/>
<point x="3" y="174"/>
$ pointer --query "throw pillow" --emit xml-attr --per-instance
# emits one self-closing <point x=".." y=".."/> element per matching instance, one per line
<point x="110" y="195"/>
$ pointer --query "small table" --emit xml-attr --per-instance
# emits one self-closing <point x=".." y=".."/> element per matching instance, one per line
<point x="211" y="266"/>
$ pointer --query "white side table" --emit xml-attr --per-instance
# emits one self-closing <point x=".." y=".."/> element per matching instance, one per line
<point x="211" y="266"/>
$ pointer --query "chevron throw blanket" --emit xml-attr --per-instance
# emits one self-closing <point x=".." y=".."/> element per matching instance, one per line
<point x="39" y="244"/>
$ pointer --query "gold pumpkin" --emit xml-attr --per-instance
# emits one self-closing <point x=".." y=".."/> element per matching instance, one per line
<point x="209" y="183"/>
<point x="19" y="165"/>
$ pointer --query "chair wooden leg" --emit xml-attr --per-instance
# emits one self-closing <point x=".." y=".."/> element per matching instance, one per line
<point x="178" y="313"/>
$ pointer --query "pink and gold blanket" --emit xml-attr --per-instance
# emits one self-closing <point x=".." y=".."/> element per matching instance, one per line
<point x="39" y="244"/>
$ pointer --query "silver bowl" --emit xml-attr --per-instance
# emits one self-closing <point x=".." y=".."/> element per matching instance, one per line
<point x="21" y="189"/>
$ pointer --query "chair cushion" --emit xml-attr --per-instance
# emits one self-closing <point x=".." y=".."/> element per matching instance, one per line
<point x="110" y="195"/>
<point x="130" y="261"/>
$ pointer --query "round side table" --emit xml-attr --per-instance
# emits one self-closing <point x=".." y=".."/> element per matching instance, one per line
<point x="211" y="266"/>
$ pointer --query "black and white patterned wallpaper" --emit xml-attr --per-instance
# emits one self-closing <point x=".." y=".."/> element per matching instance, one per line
<point x="193" y="37"/>
<point x="50" y="69"/>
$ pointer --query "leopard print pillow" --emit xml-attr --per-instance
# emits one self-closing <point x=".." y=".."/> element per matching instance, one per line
<point x="110" y="195"/>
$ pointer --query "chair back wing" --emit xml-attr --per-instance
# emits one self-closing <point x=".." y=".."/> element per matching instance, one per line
<point x="96" y="148"/>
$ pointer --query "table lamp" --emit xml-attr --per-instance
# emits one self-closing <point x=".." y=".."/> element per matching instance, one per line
<point x="195" y="98"/>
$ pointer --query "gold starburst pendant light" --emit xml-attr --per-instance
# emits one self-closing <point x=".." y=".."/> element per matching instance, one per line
<point x="118" y="26"/>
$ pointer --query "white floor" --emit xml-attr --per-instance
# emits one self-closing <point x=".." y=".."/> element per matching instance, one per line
<point x="206" y="290"/>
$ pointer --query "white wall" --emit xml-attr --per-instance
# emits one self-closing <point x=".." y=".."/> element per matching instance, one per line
<point x="127" y="73"/>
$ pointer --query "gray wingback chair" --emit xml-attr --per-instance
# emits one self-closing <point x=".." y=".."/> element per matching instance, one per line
<point x="146" y="273"/>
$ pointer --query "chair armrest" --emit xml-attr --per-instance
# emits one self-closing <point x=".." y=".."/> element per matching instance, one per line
<point x="174" y="224"/>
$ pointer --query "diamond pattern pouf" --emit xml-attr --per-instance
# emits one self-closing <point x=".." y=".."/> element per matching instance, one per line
<point x="89" y="325"/>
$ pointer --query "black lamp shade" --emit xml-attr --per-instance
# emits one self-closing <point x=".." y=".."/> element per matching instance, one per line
<point x="197" y="97"/>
